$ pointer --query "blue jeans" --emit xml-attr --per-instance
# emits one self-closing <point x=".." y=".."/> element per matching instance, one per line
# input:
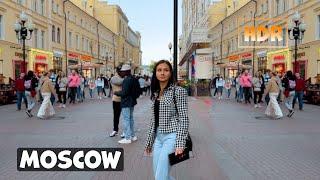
<point x="299" y="95"/>
<point x="20" y="95"/>
<point x="288" y="101"/>
<point x="91" y="92"/>
<point x="163" y="146"/>
<point x="228" y="93"/>
<point x="79" y="94"/>
<point x="128" y="123"/>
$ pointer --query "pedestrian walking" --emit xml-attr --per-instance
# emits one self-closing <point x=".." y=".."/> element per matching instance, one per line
<point x="110" y="87"/>
<point x="228" y="86"/>
<point x="100" y="86"/>
<point x="63" y="85"/>
<point x="142" y="82"/>
<point x="299" y="91"/>
<point x="73" y="83"/>
<point x="46" y="109"/>
<point x="219" y="85"/>
<point x="20" y="91"/>
<point x="116" y="83"/>
<point x="289" y="83"/>
<point x="80" y="88"/>
<point x="246" y="83"/>
<point x="92" y="86"/>
<point x="214" y="82"/>
<point x="168" y="130"/>
<point x="257" y="83"/>
<point x="148" y="85"/>
<point x="128" y="94"/>
<point x="105" y="84"/>
<point x="30" y="84"/>
<point x="273" y="90"/>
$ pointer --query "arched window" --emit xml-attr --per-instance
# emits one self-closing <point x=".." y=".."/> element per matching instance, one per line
<point x="58" y="35"/>
<point x="53" y="33"/>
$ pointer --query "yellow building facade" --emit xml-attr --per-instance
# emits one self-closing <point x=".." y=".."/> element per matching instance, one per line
<point x="81" y="42"/>
<point x="233" y="52"/>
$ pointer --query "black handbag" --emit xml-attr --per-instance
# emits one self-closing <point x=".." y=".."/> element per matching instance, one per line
<point x="173" y="159"/>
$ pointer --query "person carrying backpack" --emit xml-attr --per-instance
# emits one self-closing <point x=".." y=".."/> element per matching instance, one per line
<point x="289" y="84"/>
<point x="129" y="95"/>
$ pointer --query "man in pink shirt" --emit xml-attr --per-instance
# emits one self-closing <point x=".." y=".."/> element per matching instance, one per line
<point x="246" y="83"/>
<point x="73" y="83"/>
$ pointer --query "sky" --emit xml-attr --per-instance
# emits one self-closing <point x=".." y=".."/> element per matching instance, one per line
<point x="154" y="20"/>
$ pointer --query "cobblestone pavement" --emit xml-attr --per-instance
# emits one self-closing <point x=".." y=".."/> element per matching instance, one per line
<point x="88" y="125"/>
<point x="251" y="146"/>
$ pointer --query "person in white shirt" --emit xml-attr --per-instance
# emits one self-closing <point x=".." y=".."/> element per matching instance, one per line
<point x="220" y="84"/>
<point x="100" y="86"/>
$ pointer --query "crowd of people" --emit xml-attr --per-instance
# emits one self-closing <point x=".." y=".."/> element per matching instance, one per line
<point x="50" y="89"/>
<point x="270" y="87"/>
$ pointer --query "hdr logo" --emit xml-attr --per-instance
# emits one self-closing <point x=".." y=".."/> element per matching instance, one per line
<point x="70" y="159"/>
<point x="264" y="36"/>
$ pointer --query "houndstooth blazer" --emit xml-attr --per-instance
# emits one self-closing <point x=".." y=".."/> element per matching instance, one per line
<point x="169" y="120"/>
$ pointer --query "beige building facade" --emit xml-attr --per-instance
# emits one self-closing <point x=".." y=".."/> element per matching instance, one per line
<point x="81" y="42"/>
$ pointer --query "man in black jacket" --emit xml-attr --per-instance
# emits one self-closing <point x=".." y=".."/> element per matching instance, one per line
<point x="127" y="104"/>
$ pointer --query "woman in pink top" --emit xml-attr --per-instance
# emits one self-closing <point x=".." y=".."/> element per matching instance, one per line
<point x="73" y="82"/>
<point x="246" y="83"/>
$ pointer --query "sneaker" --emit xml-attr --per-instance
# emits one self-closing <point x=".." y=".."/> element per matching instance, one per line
<point x="122" y="135"/>
<point x="64" y="106"/>
<point x="291" y="113"/>
<point x="278" y="117"/>
<point x="29" y="113"/>
<point x="114" y="133"/>
<point x="125" y="141"/>
<point x="255" y="106"/>
<point x="134" y="138"/>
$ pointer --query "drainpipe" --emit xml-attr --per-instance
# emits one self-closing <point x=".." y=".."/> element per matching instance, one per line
<point x="254" y="42"/>
<point x="98" y="37"/>
<point x="65" y="34"/>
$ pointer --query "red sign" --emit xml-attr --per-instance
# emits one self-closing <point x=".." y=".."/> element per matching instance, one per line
<point x="246" y="55"/>
<point x="279" y="57"/>
<point x="73" y="55"/>
<point x="41" y="57"/>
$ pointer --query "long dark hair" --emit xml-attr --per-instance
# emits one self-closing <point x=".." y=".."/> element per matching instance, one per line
<point x="155" y="84"/>
<point x="29" y="75"/>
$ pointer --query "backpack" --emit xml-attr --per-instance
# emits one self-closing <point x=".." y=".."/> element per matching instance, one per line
<point x="27" y="84"/>
<point x="292" y="84"/>
<point x="136" y="90"/>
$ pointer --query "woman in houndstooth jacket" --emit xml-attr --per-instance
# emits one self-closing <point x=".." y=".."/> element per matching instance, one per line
<point x="169" y="125"/>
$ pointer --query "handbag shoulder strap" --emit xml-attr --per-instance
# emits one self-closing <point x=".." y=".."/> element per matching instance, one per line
<point x="174" y="99"/>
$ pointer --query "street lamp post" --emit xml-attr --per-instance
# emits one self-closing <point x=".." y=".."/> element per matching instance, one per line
<point x="170" y="47"/>
<point x="296" y="33"/>
<point x="21" y="30"/>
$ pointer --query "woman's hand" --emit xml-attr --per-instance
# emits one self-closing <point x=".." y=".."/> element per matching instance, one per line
<point x="179" y="151"/>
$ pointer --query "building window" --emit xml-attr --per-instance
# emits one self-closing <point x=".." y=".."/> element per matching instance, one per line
<point x="68" y="15"/>
<point x="284" y="36"/>
<point x="1" y="27"/>
<point x="277" y="7"/>
<point x="298" y="2"/>
<point x="35" y="38"/>
<point x="318" y="26"/>
<point x="35" y="5"/>
<point x="42" y="7"/>
<point x="42" y="39"/>
<point x="83" y="45"/>
<point x="77" y="41"/>
<point x="70" y="39"/>
<point x="20" y="2"/>
<point x="58" y="35"/>
<point x="53" y="33"/>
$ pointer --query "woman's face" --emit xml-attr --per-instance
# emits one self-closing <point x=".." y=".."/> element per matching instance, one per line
<point x="163" y="72"/>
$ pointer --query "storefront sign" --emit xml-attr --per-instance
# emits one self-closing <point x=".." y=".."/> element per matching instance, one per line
<point x="299" y="55"/>
<point x="234" y="58"/>
<point x="203" y="67"/>
<point x="57" y="54"/>
<point x="246" y="55"/>
<point x="85" y="58"/>
<point x="279" y="57"/>
<point x="40" y="57"/>
<point x="73" y="55"/>
<point x="262" y="54"/>
<point x="20" y="55"/>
